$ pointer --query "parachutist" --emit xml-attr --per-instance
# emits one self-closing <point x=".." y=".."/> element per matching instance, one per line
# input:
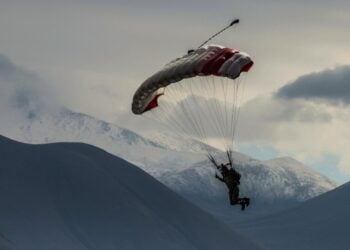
<point x="184" y="78"/>
<point x="232" y="180"/>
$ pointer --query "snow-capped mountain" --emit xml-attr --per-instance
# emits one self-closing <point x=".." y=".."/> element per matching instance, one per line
<point x="179" y="142"/>
<point x="64" y="125"/>
<point x="278" y="179"/>
<point x="320" y="223"/>
<point x="177" y="162"/>
<point x="30" y="113"/>
<point x="271" y="185"/>
<point x="76" y="196"/>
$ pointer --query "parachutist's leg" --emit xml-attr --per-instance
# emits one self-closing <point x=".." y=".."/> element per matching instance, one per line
<point x="247" y="201"/>
<point x="233" y="201"/>
<point x="243" y="205"/>
<point x="233" y="193"/>
<point x="242" y="202"/>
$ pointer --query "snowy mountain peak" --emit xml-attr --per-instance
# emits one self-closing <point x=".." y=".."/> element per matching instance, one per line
<point x="285" y="162"/>
<point x="171" y="160"/>
<point x="268" y="182"/>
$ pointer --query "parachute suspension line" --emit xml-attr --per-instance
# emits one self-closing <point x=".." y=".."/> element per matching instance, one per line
<point x="170" y="120"/>
<point x="214" y="114"/>
<point x="223" y="111"/>
<point x="188" y="115"/>
<point x="201" y="113"/>
<point x="189" y="112"/>
<point x="238" y="99"/>
<point x="219" y="32"/>
<point x="210" y="109"/>
<point x="193" y="116"/>
<point x="172" y="123"/>
<point x="166" y="120"/>
<point x="229" y="156"/>
<point x="234" y="98"/>
<point x="234" y="116"/>
<point x="185" y="118"/>
<point x="218" y="112"/>
<point x="236" y="113"/>
<point x="242" y="80"/>
<point x="225" y="90"/>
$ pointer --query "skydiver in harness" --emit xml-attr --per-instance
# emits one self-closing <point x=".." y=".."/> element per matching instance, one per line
<point x="232" y="179"/>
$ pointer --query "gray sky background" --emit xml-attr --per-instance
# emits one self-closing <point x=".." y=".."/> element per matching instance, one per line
<point x="93" y="55"/>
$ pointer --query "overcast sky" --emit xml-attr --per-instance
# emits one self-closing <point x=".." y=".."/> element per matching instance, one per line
<point x="94" y="54"/>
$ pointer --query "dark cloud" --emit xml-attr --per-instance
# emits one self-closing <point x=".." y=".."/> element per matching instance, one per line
<point x="331" y="85"/>
<point x="266" y="117"/>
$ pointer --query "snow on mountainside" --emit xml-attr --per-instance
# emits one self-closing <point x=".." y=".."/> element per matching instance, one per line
<point x="283" y="178"/>
<point x="178" y="142"/>
<point x="75" y="196"/>
<point x="177" y="162"/>
<point x="272" y="185"/>
<point x="321" y="223"/>
<point x="65" y="125"/>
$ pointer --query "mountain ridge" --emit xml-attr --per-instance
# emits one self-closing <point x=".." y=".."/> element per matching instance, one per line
<point x="81" y="197"/>
<point x="170" y="165"/>
<point x="320" y="223"/>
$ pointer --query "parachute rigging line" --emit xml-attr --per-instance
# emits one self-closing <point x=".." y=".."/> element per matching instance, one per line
<point x="219" y="32"/>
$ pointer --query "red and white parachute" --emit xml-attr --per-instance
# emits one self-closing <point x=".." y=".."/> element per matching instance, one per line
<point x="199" y="94"/>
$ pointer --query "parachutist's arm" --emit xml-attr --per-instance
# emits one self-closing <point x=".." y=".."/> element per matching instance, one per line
<point x="219" y="178"/>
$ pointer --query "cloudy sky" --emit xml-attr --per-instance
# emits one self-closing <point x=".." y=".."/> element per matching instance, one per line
<point x="92" y="55"/>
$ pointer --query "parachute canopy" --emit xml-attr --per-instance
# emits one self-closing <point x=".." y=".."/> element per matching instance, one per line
<point x="209" y="60"/>
<point x="201" y="94"/>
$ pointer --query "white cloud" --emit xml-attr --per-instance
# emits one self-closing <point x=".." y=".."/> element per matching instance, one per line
<point x="94" y="54"/>
<point x="81" y="45"/>
<point x="302" y="129"/>
<point x="22" y="90"/>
